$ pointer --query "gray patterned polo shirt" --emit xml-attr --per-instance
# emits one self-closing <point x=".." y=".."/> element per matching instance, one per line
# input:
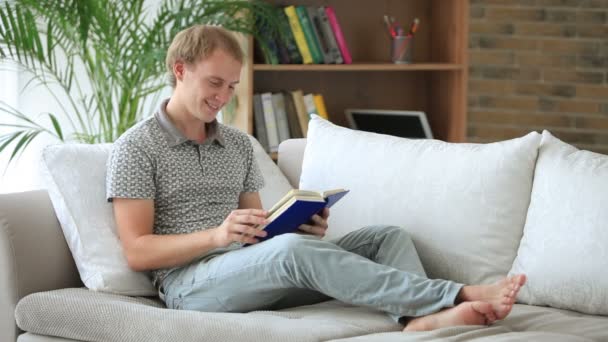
<point x="194" y="186"/>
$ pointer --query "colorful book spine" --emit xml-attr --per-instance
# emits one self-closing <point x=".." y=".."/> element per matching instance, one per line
<point x="309" y="34"/>
<point x="320" y="104"/>
<point x="330" y="39"/>
<point x="335" y="26"/>
<point x="315" y="22"/>
<point x="296" y="29"/>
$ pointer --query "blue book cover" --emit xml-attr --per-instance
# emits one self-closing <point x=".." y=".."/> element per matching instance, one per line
<point x="297" y="208"/>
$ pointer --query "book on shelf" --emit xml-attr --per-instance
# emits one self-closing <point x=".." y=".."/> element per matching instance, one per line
<point x="309" y="103"/>
<point x="271" y="122"/>
<point x="282" y="53"/>
<point x="315" y="23"/>
<point x="337" y="30"/>
<point x="295" y="131"/>
<point x="260" y="122"/>
<point x="320" y="105"/>
<point x="278" y="105"/>
<point x="297" y="207"/>
<point x="309" y="34"/>
<point x="328" y="36"/>
<point x="287" y="40"/>
<point x="298" y="99"/>
<point x="296" y="29"/>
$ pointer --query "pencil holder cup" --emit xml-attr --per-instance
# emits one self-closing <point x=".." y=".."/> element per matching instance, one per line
<point x="402" y="48"/>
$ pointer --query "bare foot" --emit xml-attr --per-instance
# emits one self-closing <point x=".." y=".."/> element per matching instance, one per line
<point x="501" y="294"/>
<point x="467" y="313"/>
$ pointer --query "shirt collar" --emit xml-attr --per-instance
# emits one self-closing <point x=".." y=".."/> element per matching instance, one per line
<point x="175" y="137"/>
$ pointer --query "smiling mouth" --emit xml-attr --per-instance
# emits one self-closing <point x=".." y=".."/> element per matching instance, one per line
<point x="212" y="106"/>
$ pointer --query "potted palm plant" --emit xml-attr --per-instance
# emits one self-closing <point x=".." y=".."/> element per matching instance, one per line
<point x="121" y="47"/>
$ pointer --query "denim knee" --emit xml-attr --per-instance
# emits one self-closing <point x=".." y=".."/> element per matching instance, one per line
<point x="289" y="244"/>
<point x="394" y="231"/>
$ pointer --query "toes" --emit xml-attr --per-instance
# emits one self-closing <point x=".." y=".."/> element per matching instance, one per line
<point x="508" y="300"/>
<point x="490" y="317"/>
<point x="504" y="311"/>
<point x="482" y="307"/>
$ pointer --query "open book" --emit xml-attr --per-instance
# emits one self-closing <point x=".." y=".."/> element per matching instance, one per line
<point x="296" y="208"/>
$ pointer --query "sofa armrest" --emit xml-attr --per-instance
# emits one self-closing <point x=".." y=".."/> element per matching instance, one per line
<point x="291" y="155"/>
<point x="34" y="255"/>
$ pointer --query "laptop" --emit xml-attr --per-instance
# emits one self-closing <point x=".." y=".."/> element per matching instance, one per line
<point x="400" y="123"/>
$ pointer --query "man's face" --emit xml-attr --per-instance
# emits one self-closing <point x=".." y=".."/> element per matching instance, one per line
<point x="209" y="84"/>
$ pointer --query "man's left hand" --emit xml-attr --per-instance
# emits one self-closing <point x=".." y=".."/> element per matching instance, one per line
<point x="317" y="225"/>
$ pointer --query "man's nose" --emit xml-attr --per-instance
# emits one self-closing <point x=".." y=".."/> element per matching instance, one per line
<point x="224" y="95"/>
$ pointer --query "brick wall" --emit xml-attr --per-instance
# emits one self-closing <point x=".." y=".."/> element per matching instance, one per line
<point x="539" y="64"/>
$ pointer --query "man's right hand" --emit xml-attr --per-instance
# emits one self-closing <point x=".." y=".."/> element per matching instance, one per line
<point x="239" y="226"/>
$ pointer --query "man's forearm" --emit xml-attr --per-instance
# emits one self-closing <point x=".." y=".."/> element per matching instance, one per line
<point x="150" y="252"/>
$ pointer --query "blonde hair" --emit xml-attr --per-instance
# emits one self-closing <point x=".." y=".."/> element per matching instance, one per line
<point x="199" y="42"/>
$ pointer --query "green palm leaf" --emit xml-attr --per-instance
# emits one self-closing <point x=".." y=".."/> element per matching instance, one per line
<point x="119" y="46"/>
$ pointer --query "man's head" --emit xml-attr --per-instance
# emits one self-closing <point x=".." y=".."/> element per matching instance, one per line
<point x="204" y="65"/>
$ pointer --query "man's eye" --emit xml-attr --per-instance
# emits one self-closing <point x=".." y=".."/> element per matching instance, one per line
<point x="215" y="84"/>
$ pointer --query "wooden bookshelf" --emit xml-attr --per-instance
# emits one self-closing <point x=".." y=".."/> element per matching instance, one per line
<point x="358" y="67"/>
<point x="435" y="83"/>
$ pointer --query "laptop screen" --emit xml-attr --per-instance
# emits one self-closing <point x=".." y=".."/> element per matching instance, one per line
<point x="401" y="124"/>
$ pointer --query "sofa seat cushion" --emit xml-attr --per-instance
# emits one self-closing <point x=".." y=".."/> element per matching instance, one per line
<point x="466" y="334"/>
<point x="81" y="314"/>
<point x="525" y="323"/>
<point x="29" y="337"/>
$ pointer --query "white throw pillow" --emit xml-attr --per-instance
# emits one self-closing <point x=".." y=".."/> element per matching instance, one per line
<point x="564" y="249"/>
<point x="276" y="185"/>
<point x="75" y="178"/>
<point x="464" y="204"/>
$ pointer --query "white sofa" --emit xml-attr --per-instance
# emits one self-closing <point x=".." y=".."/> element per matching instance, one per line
<point x="476" y="212"/>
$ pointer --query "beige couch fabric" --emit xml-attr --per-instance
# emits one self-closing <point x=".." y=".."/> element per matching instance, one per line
<point x="28" y="223"/>
<point x="526" y="323"/>
<point x="28" y="337"/>
<point x="81" y="314"/>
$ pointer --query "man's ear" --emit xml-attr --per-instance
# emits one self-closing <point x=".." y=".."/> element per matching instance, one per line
<point x="179" y="69"/>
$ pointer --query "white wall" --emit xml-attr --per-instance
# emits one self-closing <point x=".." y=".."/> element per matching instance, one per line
<point x="20" y="176"/>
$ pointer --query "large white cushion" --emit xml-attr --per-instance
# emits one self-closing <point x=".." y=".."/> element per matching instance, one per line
<point x="564" y="250"/>
<point x="75" y="179"/>
<point x="276" y="185"/>
<point x="464" y="204"/>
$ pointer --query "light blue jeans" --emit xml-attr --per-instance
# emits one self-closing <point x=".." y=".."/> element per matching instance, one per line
<point x="375" y="266"/>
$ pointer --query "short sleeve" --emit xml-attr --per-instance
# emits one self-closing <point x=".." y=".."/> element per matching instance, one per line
<point x="130" y="173"/>
<point x="253" y="179"/>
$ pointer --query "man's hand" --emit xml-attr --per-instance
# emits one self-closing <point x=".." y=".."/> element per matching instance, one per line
<point x="317" y="225"/>
<point x="239" y="226"/>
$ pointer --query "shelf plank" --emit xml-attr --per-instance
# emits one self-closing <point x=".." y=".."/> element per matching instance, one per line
<point x="359" y="67"/>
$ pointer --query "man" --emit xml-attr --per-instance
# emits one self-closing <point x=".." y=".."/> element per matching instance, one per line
<point x="185" y="197"/>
